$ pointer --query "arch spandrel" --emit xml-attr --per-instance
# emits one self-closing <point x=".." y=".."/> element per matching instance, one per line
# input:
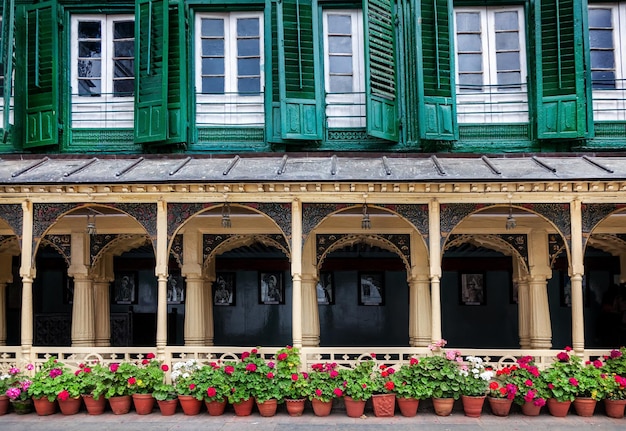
<point x="179" y="213"/>
<point x="14" y="216"/>
<point x="216" y="244"/>
<point x="62" y="244"/>
<point x="114" y="244"/>
<point x="594" y="214"/>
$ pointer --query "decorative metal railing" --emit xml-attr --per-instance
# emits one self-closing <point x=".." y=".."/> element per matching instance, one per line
<point x="492" y="103"/>
<point x="609" y="100"/>
<point x="230" y="109"/>
<point x="102" y="110"/>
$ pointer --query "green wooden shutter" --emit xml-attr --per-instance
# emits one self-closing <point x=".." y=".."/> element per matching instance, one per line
<point x="435" y="54"/>
<point x="300" y="98"/>
<point x="8" y="22"/>
<point x="561" y="86"/>
<point x="380" y="75"/>
<point x="151" y="41"/>
<point x="42" y="60"/>
<point x="177" y="76"/>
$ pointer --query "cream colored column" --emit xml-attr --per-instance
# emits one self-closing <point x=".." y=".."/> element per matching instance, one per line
<point x="27" y="272"/>
<point x="209" y="324"/>
<point x="296" y="272"/>
<point x="102" y="276"/>
<point x="576" y="277"/>
<point x="194" y="282"/>
<point x="540" y="272"/>
<point x="311" y="321"/>
<point x="434" y="250"/>
<point x="6" y="269"/>
<point x="523" y="318"/>
<point x="83" y="320"/>
<point x="419" y="311"/>
<point x="161" y="273"/>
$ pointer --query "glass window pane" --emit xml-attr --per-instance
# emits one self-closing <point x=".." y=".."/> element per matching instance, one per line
<point x="89" y="69"/>
<point x="601" y="38"/>
<point x="507" y="41"/>
<point x="248" y="47"/>
<point x="470" y="62"/>
<point x="123" y="87"/>
<point x="469" y="42"/>
<point x="248" y="66"/>
<point x="603" y="79"/>
<point x="467" y="21"/>
<point x="213" y="85"/>
<point x="89" y="30"/>
<point x="339" y="24"/>
<point x="248" y="27"/>
<point x="509" y="79"/>
<point x="124" y="49"/>
<point x="212" y="66"/>
<point x="602" y="60"/>
<point x="89" y="87"/>
<point x="89" y="49"/>
<point x="249" y="85"/>
<point x="124" y="68"/>
<point x="212" y="27"/>
<point x="506" y="21"/>
<point x="124" y="30"/>
<point x="600" y="18"/>
<point x="507" y="61"/>
<point x="340" y="44"/>
<point x="340" y="84"/>
<point x="213" y="47"/>
<point x="340" y="64"/>
<point x="471" y="81"/>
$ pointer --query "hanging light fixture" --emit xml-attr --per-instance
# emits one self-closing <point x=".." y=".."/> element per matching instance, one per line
<point x="226" y="223"/>
<point x="91" y="224"/>
<point x="365" y="221"/>
<point x="510" y="220"/>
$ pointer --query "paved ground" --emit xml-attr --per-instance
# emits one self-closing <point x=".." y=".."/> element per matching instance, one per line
<point x="338" y="421"/>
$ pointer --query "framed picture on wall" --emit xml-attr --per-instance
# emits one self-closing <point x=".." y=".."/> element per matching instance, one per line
<point x="125" y="288"/>
<point x="371" y="288"/>
<point x="271" y="288"/>
<point x="224" y="289"/>
<point x="326" y="288"/>
<point x="175" y="289"/>
<point x="473" y="290"/>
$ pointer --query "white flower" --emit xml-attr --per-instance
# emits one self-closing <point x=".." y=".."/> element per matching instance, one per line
<point x="486" y="375"/>
<point x="186" y="375"/>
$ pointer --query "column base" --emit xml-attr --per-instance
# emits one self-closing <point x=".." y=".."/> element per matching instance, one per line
<point x="541" y="343"/>
<point x="310" y="340"/>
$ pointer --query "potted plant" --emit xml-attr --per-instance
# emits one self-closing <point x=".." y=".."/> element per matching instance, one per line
<point x="440" y="374"/>
<point x="408" y="388"/>
<point x="166" y="397"/>
<point x="562" y="383"/>
<point x="358" y="387"/>
<point x="212" y="383"/>
<point x="17" y="390"/>
<point x="502" y="391"/>
<point x="475" y="385"/>
<point x="383" y="398"/>
<point x="588" y="387"/>
<point x="531" y="389"/>
<point x="243" y="378"/>
<point x="267" y="391"/>
<point x="294" y="385"/>
<point x="184" y="377"/>
<point x="614" y="390"/>
<point x="118" y="379"/>
<point x="91" y="380"/>
<point x="324" y="386"/>
<point x="148" y="373"/>
<point x="46" y="384"/>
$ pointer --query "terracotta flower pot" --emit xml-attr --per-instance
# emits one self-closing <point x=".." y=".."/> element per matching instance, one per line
<point x="167" y="407"/>
<point x="584" y="406"/>
<point x="22" y="407"/>
<point x="614" y="408"/>
<point x="500" y="406"/>
<point x="408" y="406"/>
<point x="144" y="403"/>
<point x="321" y="408"/>
<point x="295" y="407"/>
<point x="244" y="408"/>
<point x="530" y="409"/>
<point x="4" y="404"/>
<point x="473" y="405"/>
<point x="354" y="408"/>
<point x="557" y="408"/>
<point x="93" y="406"/>
<point x="384" y="405"/>
<point x="43" y="407"/>
<point x="191" y="406"/>
<point x="267" y="408"/>
<point x="120" y="405"/>
<point x="70" y="406"/>
<point x="443" y="406"/>
<point x="216" y="408"/>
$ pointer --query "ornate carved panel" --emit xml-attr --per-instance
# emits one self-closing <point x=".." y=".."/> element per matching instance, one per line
<point x="556" y="246"/>
<point x="210" y="242"/>
<point x="324" y="242"/>
<point x="44" y="215"/>
<point x="452" y="214"/>
<point x="280" y="213"/>
<point x="313" y="214"/>
<point x="179" y="213"/>
<point x="417" y="215"/>
<point x="144" y="213"/>
<point x="52" y="330"/>
<point x="62" y="243"/>
<point x="519" y="242"/>
<point x="13" y="215"/>
<point x="97" y="243"/>
<point x="177" y="249"/>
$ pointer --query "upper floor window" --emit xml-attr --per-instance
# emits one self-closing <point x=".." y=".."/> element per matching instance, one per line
<point x="607" y="22"/>
<point x="491" y="65"/>
<point x="344" y="68"/>
<point x="229" y="68"/>
<point x="103" y="70"/>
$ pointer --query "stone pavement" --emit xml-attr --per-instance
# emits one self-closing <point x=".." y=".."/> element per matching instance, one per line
<point x="337" y="421"/>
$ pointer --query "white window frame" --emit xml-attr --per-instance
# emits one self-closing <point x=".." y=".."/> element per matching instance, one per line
<point x="494" y="105"/>
<point x="610" y="104"/>
<point x="346" y="110"/>
<point x="105" y="110"/>
<point x="232" y="108"/>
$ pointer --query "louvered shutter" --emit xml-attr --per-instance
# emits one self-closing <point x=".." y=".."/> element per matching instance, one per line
<point x="177" y="89"/>
<point x="8" y="26"/>
<point x="151" y="52"/>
